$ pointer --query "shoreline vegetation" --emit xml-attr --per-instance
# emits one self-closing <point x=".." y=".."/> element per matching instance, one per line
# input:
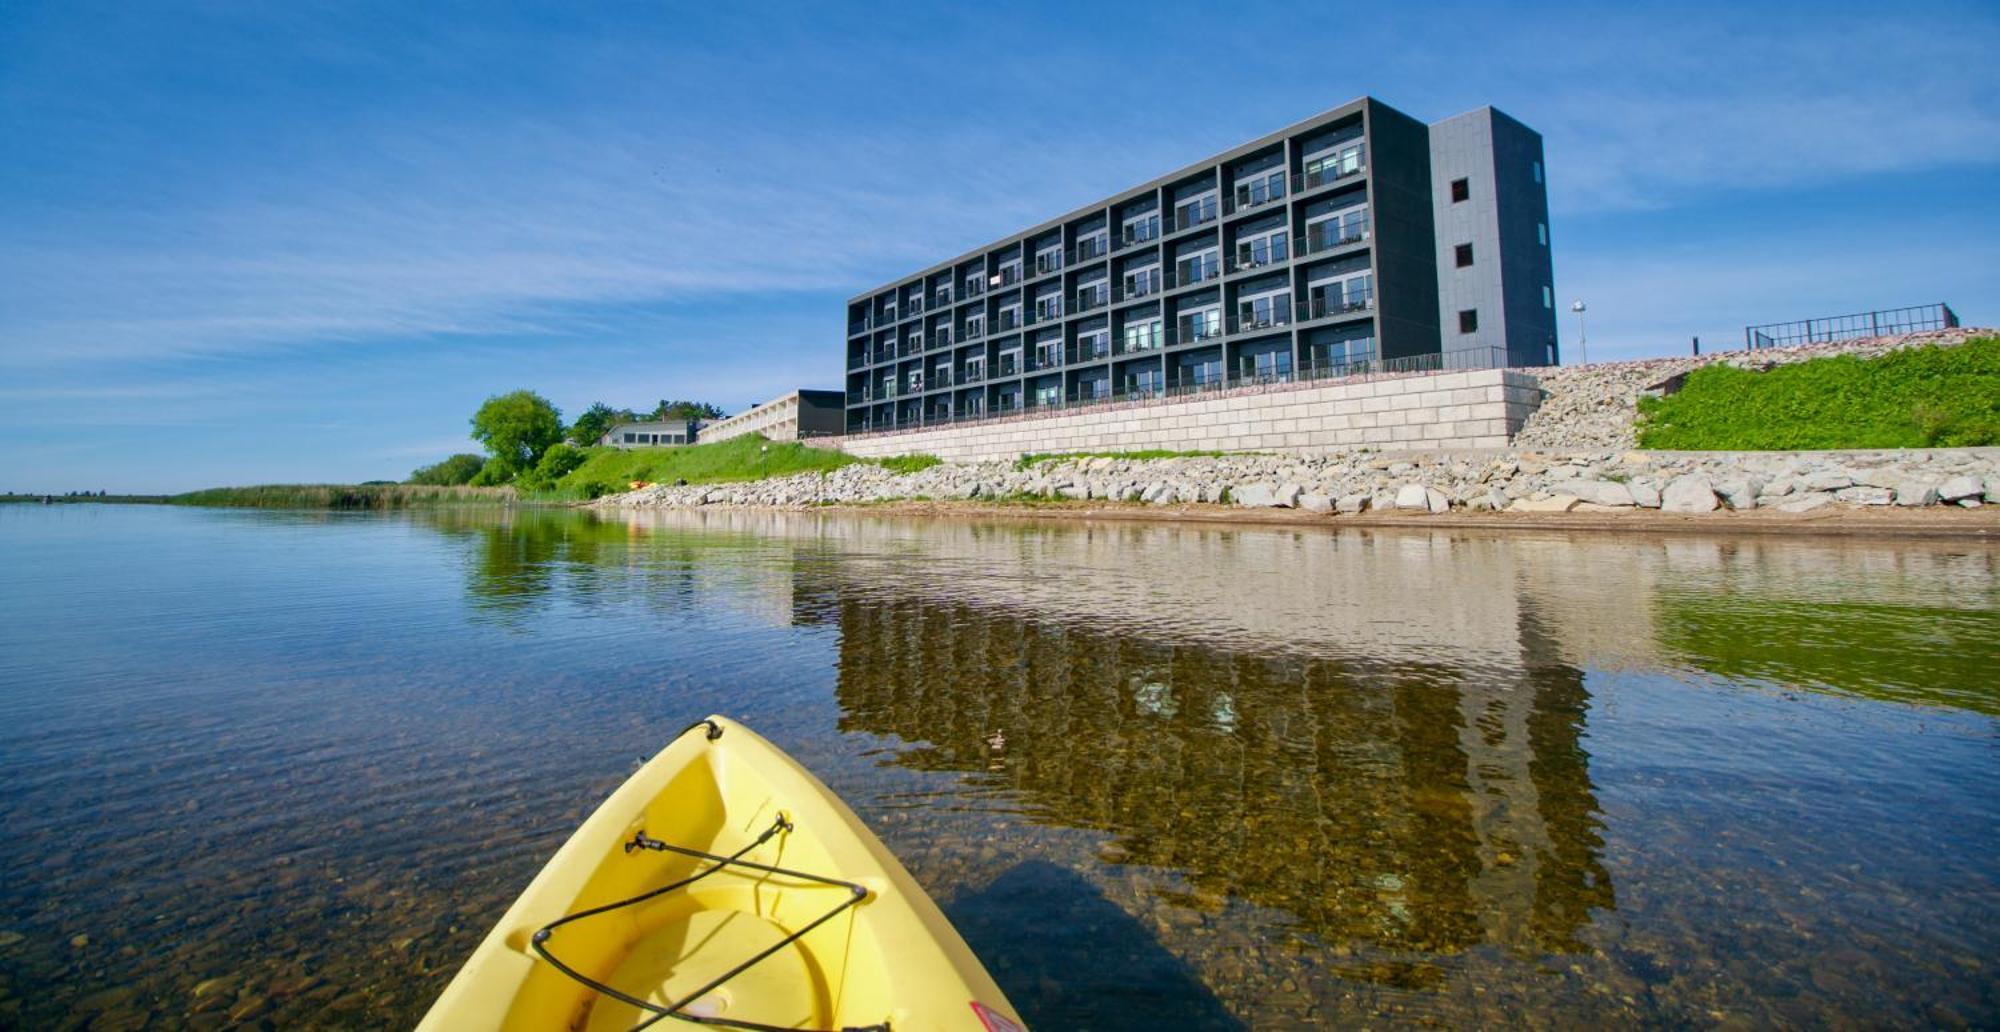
<point x="1937" y="404"/>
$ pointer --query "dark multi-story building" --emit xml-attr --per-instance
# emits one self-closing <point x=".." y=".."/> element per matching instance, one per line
<point x="1358" y="239"/>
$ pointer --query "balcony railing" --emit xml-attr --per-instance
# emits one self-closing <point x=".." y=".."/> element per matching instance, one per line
<point x="1144" y="284"/>
<point x="1192" y="270"/>
<point x="1330" y="174"/>
<point x="1089" y="299"/>
<point x="1256" y="193"/>
<point x="910" y="347"/>
<point x="942" y="299"/>
<point x="973" y="288"/>
<point x="1190" y="331"/>
<point x="1195" y="383"/>
<point x="941" y="337"/>
<point x="1189" y="216"/>
<point x="1045" y="311"/>
<point x="1321" y="307"/>
<point x="1007" y="319"/>
<point x="1007" y="367"/>
<point x="1279" y="314"/>
<point x="1089" y="249"/>
<point x="1048" y="263"/>
<point x="972" y="374"/>
<point x="1090" y="350"/>
<point x="1142" y="233"/>
<point x="1332" y="234"/>
<point x="1007" y="276"/>
<point x="1138" y="340"/>
<point x="1259" y="254"/>
<point x="858" y="326"/>
<point x="972" y="331"/>
<point x="856" y="361"/>
<point x="938" y="378"/>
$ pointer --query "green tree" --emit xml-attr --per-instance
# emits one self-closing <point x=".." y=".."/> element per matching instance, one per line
<point x="458" y="469"/>
<point x="594" y="423"/>
<point x="516" y="429"/>
<point x="677" y="410"/>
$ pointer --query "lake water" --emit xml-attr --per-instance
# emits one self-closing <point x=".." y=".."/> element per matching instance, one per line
<point x="287" y="768"/>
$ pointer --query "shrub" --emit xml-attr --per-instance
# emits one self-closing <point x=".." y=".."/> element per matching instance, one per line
<point x="458" y="469"/>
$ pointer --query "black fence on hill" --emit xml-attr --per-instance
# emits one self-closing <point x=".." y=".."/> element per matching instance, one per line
<point x="1848" y="327"/>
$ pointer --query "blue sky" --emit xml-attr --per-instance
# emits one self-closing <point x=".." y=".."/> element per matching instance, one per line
<point x="299" y="242"/>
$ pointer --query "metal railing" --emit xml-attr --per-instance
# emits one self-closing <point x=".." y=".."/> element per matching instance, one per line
<point x="1192" y="270"/>
<point x="1259" y="254"/>
<point x="1324" y="307"/>
<point x="1188" y="216"/>
<point x="1087" y="300"/>
<point x="1334" y="233"/>
<point x="1089" y="249"/>
<point x="1330" y="173"/>
<point x="1132" y="236"/>
<point x="1256" y="193"/>
<point x="1279" y="314"/>
<point x="1144" y="283"/>
<point x="1887" y="321"/>
<point x="1048" y="263"/>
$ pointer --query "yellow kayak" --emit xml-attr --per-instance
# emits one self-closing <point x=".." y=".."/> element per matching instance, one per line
<point x="723" y="885"/>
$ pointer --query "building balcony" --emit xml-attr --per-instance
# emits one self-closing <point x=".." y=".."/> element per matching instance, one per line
<point x="1324" y="177"/>
<point x="972" y="374"/>
<point x="1006" y="277"/>
<point x="1048" y="312"/>
<point x="857" y="361"/>
<point x="856" y="327"/>
<point x="1006" y="320"/>
<point x="1331" y="236"/>
<point x="1136" y="287"/>
<point x="972" y="331"/>
<point x="941" y="337"/>
<point x="1090" y="351"/>
<point x="1089" y="249"/>
<point x="1280" y="314"/>
<point x="910" y="347"/>
<point x="1191" y="215"/>
<point x="1193" y="331"/>
<point x="1262" y="254"/>
<point x="1255" y="194"/>
<point x="1133" y="236"/>
<point x="1334" y="307"/>
<point x="1089" y="300"/>
<point x="1192" y="271"/>
<point x="1195" y="383"/>
<point x="1139" y="343"/>
<point x="1046" y="264"/>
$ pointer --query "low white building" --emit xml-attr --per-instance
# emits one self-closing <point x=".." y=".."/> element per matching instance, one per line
<point x="797" y="415"/>
<point x="668" y="434"/>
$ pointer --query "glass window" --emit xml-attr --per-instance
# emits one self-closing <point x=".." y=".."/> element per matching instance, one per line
<point x="1542" y="233"/>
<point x="1538" y="171"/>
<point x="1463" y="255"/>
<point x="1548" y="298"/>
<point x="1468" y="321"/>
<point x="1461" y="189"/>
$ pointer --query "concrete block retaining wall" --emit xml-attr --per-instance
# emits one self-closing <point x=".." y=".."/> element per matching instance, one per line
<point x="1425" y="412"/>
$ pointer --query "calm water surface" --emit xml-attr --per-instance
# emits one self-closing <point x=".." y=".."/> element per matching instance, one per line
<point x="285" y="769"/>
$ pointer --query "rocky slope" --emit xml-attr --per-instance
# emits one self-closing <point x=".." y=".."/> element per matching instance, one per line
<point x="1515" y="481"/>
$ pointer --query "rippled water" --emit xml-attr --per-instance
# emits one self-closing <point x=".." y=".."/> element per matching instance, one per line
<point x="285" y="769"/>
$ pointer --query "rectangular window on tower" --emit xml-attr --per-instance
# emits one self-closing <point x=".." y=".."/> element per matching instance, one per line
<point x="1463" y="254"/>
<point x="1461" y="189"/>
<point x="1468" y="321"/>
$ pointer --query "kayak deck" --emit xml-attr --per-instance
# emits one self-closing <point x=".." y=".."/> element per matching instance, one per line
<point x="722" y="885"/>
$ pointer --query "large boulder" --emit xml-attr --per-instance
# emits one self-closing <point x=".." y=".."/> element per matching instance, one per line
<point x="1688" y="493"/>
<point x="1254" y="496"/>
<point x="1916" y="493"/>
<point x="1351" y="503"/>
<point x="1958" y="488"/>
<point x="1412" y="496"/>
<point x="1739" y="492"/>
<point x="1601" y="492"/>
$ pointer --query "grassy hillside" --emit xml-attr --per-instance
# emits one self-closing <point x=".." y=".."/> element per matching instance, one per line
<point x="1918" y="398"/>
<point x="610" y="470"/>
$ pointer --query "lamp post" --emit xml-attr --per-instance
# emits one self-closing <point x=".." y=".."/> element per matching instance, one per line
<point x="1582" y="342"/>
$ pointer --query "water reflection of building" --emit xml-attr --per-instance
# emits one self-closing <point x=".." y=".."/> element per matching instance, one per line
<point x="1415" y="805"/>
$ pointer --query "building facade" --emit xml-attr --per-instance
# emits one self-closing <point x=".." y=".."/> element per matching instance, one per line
<point x="797" y="415"/>
<point x="1358" y="240"/>
<point x="652" y="435"/>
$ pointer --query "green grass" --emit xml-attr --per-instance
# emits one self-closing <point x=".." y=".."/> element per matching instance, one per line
<point x="344" y="496"/>
<point x="1917" y="398"/>
<point x="1034" y="458"/>
<point x="610" y="470"/>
